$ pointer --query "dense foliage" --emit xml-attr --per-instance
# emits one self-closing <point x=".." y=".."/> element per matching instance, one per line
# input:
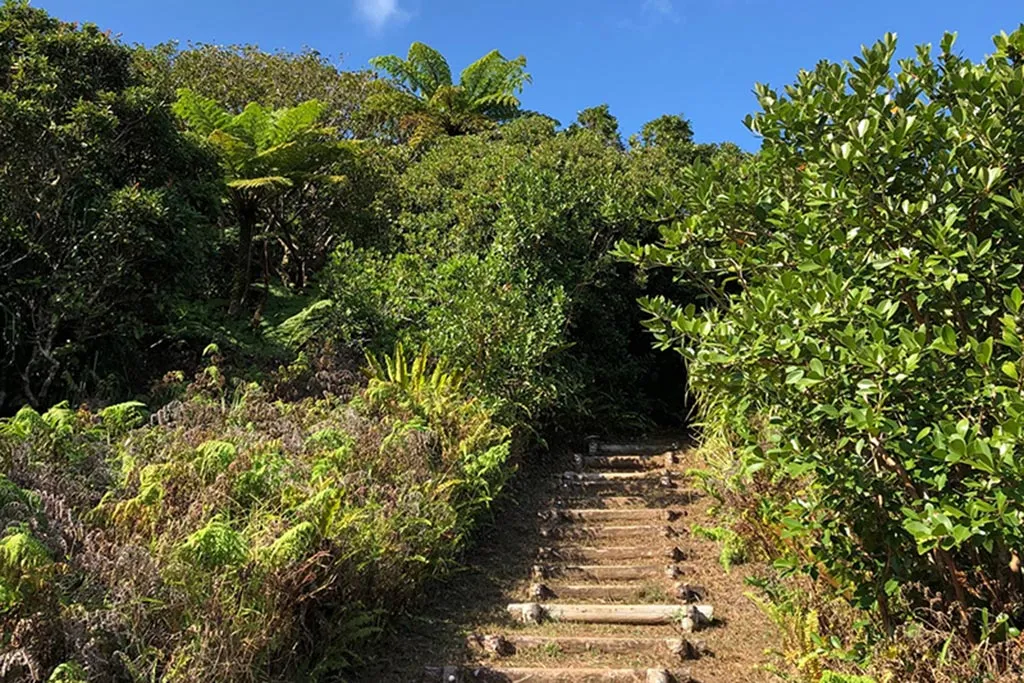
<point x="858" y="340"/>
<point x="229" y="534"/>
<point x="106" y="212"/>
<point x="501" y="263"/>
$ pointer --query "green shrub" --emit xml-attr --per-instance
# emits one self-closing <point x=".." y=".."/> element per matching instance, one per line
<point x="859" y="337"/>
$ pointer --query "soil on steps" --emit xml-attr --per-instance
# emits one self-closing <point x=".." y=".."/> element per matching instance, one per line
<point x="500" y="571"/>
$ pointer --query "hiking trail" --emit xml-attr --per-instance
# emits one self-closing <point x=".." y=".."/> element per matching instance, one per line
<point x="594" y="576"/>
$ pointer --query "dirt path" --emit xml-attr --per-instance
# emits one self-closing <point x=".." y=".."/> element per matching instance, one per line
<point x="606" y="539"/>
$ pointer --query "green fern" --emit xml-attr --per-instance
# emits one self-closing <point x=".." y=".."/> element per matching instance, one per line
<point x="292" y="545"/>
<point x="427" y="103"/>
<point x="215" y="546"/>
<point x="69" y="672"/>
<point x="213" y="457"/>
<point x="25" y="567"/>
<point x="121" y="418"/>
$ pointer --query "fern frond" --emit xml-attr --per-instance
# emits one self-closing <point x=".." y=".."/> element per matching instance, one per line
<point x="287" y="124"/>
<point x="431" y="68"/>
<point x="260" y="183"/>
<point x="202" y="114"/>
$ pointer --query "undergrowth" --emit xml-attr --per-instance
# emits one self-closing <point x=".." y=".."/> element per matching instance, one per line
<point x="230" y="536"/>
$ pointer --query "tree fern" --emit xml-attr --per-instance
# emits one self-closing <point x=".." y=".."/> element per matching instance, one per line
<point x="426" y="102"/>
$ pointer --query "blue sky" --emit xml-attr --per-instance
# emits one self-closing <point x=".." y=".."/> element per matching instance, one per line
<point x="642" y="57"/>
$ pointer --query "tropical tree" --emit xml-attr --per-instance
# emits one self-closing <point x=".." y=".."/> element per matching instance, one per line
<point x="264" y="153"/>
<point x="600" y="121"/>
<point x="425" y="102"/>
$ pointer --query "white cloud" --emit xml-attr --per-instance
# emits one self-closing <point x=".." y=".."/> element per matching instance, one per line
<point x="379" y="12"/>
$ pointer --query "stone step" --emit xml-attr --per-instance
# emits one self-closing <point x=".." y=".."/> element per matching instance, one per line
<point x="536" y="613"/>
<point x="512" y="644"/>
<point x="609" y="515"/>
<point x="599" y="572"/>
<point x="647" y="531"/>
<point x="612" y="554"/>
<point x="486" y="674"/>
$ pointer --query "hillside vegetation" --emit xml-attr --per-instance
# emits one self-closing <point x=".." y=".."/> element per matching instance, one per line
<point x="274" y="336"/>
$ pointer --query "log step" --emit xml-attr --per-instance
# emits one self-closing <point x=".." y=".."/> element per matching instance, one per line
<point x="600" y="481"/>
<point x="625" y="462"/>
<point x="578" y="554"/>
<point x="609" y="515"/>
<point x="652" y="592"/>
<point x="610" y="532"/>
<point x="639" y="572"/>
<point x="610" y="502"/>
<point x="613" y="476"/>
<point x="486" y="674"/>
<point x="601" y="448"/>
<point x="510" y="645"/>
<point x="647" y="615"/>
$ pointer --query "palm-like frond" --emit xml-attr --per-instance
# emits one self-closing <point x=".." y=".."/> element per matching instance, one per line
<point x="287" y="124"/>
<point x="265" y="149"/>
<point x="431" y="67"/>
<point x="493" y="75"/>
<point x="260" y="183"/>
<point x="426" y="103"/>
<point x="202" y="114"/>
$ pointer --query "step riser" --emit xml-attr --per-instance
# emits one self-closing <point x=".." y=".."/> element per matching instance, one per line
<point x="606" y="573"/>
<point x="494" y="675"/>
<point x="649" y="533"/>
<point x="597" y="448"/>
<point x="609" y="554"/>
<point x="642" y="615"/>
<point x="605" y="515"/>
<point x="624" y="462"/>
<point x="621" y="594"/>
<point x="507" y="646"/>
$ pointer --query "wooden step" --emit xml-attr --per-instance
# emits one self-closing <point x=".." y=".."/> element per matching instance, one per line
<point x="605" y="448"/>
<point x="597" y="572"/>
<point x="650" y="592"/>
<point x="625" y="462"/>
<point x="609" y="515"/>
<point x="647" y="531"/>
<point x="602" y="481"/>
<point x="512" y="644"/>
<point x="585" y="554"/>
<point x="610" y="502"/>
<point x="647" y="615"/>
<point x="648" y="475"/>
<point x="485" y="674"/>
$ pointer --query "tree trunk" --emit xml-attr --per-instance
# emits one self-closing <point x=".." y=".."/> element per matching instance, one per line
<point x="247" y="212"/>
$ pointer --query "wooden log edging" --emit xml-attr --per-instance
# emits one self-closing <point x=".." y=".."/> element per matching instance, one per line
<point x="486" y="674"/>
<point x="646" y="615"/>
